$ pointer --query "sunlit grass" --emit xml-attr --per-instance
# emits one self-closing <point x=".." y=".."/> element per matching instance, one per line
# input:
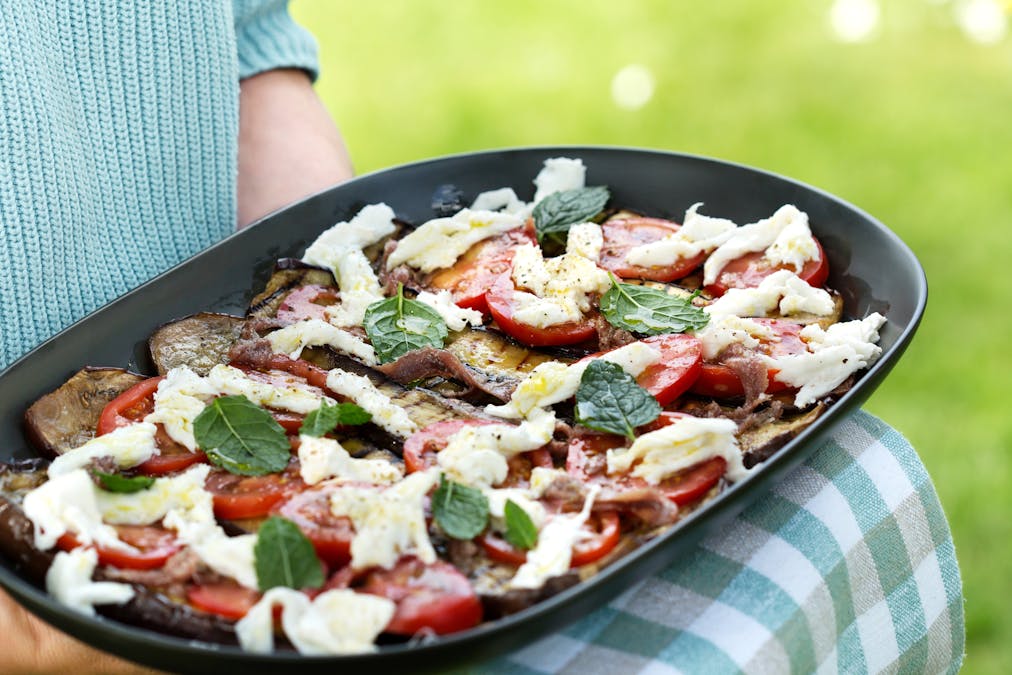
<point x="912" y="125"/>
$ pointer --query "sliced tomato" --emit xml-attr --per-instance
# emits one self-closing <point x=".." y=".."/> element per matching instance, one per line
<point x="749" y="270"/>
<point x="430" y="597"/>
<point x="718" y="381"/>
<point x="237" y="497"/>
<point x="154" y="546"/>
<point x="476" y="270"/>
<point x="133" y="405"/>
<point x="604" y="530"/>
<point x="680" y="365"/>
<point x="621" y="235"/>
<point x="501" y="305"/>
<point x="307" y="302"/>
<point x="229" y="600"/>
<point x="331" y="535"/>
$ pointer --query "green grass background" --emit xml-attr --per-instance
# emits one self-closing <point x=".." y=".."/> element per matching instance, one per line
<point x="914" y="126"/>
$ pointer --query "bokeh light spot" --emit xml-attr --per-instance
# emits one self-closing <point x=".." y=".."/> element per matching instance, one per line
<point x="632" y="87"/>
<point x="983" y="21"/>
<point x="854" y="20"/>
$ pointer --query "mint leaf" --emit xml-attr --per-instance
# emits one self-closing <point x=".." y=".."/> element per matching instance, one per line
<point x="398" y="325"/>
<point x="284" y="556"/>
<point x="114" y="482"/>
<point x="650" y="311"/>
<point x="241" y="437"/>
<point x="461" y="511"/>
<point x="324" y="419"/>
<point x="555" y="213"/>
<point x="520" y="530"/>
<point x="608" y="399"/>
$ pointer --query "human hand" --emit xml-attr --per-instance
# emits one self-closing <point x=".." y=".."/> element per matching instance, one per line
<point x="289" y="147"/>
<point x="31" y="646"/>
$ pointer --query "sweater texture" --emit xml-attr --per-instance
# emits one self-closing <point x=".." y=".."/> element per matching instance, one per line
<point x="118" y="143"/>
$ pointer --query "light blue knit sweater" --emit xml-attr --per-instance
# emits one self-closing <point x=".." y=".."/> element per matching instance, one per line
<point x="118" y="135"/>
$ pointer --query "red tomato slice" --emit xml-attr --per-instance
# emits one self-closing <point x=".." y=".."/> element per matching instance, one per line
<point x="475" y="271"/>
<point x="680" y="365"/>
<point x="719" y="381"/>
<point x="434" y="597"/>
<point x="229" y="600"/>
<point x="155" y="545"/>
<point x="749" y="270"/>
<point x="307" y="302"/>
<point x="500" y="304"/>
<point x="237" y="497"/>
<point x="331" y="535"/>
<point x="623" y="234"/>
<point x="606" y="528"/>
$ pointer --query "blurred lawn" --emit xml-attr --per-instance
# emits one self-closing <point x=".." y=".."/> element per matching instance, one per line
<point x="912" y="125"/>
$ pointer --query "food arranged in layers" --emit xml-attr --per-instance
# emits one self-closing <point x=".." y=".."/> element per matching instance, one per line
<point x="418" y="429"/>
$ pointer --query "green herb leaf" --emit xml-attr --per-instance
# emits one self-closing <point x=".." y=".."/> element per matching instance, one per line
<point x="650" y="311"/>
<point x="241" y="437"/>
<point x="114" y="482"/>
<point x="461" y="511"/>
<point x="609" y="400"/>
<point x="520" y="530"/>
<point x="398" y="325"/>
<point x="283" y="556"/>
<point x="322" y="421"/>
<point x="555" y="213"/>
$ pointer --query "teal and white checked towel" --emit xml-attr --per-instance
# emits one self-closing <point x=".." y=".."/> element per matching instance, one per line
<point x="847" y="566"/>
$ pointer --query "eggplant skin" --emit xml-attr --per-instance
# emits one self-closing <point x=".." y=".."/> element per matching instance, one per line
<point x="66" y="418"/>
<point x="200" y="341"/>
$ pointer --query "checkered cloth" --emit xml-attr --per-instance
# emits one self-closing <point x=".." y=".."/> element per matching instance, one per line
<point x="847" y="566"/>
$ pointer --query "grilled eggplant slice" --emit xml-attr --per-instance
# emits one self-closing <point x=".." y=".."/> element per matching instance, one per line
<point x="67" y="417"/>
<point x="200" y="341"/>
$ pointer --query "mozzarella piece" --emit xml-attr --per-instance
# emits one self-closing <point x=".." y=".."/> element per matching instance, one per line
<point x="552" y="382"/>
<point x="698" y="234"/>
<point x="476" y="455"/>
<point x="497" y="499"/>
<point x="833" y="355"/>
<point x="783" y="292"/>
<point x="338" y="621"/>
<point x="785" y="236"/>
<point x="292" y="339"/>
<point x="559" y="174"/>
<point x="503" y="199"/>
<point x="128" y="446"/>
<point x="439" y="242"/>
<point x="456" y="318"/>
<point x="388" y="523"/>
<point x="686" y="442"/>
<point x="359" y="286"/>
<point x="68" y="503"/>
<point x="554" y="551"/>
<point x="368" y="227"/>
<point x="363" y="392"/>
<point x="233" y="382"/>
<point x="182" y="492"/>
<point x="180" y="397"/>
<point x="321" y="458"/>
<point x="69" y="581"/>
<point x="586" y="240"/>
<point x="542" y="477"/>
<point x="724" y="330"/>
<point x="560" y="287"/>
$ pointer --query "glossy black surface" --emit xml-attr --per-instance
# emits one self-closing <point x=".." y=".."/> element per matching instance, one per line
<point x="873" y="269"/>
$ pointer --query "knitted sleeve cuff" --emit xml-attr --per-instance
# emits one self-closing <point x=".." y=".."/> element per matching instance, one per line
<point x="267" y="38"/>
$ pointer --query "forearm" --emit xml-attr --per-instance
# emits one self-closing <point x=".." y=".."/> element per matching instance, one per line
<point x="289" y="147"/>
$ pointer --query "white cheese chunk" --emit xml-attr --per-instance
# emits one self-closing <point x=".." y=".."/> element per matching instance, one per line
<point x="338" y="621"/>
<point x="687" y="442"/>
<point x="585" y="240"/>
<point x="322" y="458"/>
<point x="698" y="234"/>
<point x="782" y="292"/>
<point x="542" y="477"/>
<point x="389" y="523"/>
<point x="497" y="499"/>
<point x="560" y="287"/>
<point x="69" y="581"/>
<point x="785" y="236"/>
<point x="833" y="355"/>
<point x="359" y="286"/>
<point x="181" y="492"/>
<point x="503" y="199"/>
<point x="363" y="392"/>
<point x="68" y="503"/>
<point x="439" y="242"/>
<point x="128" y="446"/>
<point x="553" y="553"/>
<point x="232" y="381"/>
<point x="552" y="382"/>
<point x="369" y="226"/>
<point x="724" y="330"/>
<point x="292" y="339"/>
<point x="456" y="318"/>
<point x="476" y="455"/>
<point x="559" y="174"/>
<point x="180" y="398"/>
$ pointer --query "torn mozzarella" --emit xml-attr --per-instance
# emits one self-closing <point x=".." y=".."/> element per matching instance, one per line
<point x="698" y="234"/>
<point x="783" y="292"/>
<point x="363" y="392"/>
<point x="558" y="175"/>
<point x="69" y="581"/>
<point x="438" y="243"/>
<point x="322" y="458"/>
<point x="456" y="318"/>
<point x="292" y="339"/>
<point x="128" y="445"/>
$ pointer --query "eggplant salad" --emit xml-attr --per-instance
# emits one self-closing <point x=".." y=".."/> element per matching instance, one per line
<point x="418" y="428"/>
